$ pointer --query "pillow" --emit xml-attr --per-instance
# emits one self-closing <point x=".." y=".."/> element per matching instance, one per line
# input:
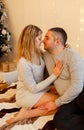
<point x="9" y="77"/>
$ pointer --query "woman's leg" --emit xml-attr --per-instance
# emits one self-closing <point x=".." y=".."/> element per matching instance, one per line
<point x="25" y="113"/>
<point x="35" y="112"/>
<point x="46" y="98"/>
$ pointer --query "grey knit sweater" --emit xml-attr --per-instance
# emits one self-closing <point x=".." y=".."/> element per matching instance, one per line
<point x="71" y="81"/>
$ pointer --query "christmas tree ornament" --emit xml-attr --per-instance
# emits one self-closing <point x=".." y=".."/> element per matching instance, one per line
<point x="5" y="34"/>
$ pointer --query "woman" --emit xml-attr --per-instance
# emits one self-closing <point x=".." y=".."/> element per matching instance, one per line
<point x="32" y="90"/>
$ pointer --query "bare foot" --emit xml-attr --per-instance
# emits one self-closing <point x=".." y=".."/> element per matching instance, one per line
<point x="22" y="114"/>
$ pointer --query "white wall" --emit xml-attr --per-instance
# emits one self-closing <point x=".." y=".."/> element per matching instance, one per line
<point x="68" y="14"/>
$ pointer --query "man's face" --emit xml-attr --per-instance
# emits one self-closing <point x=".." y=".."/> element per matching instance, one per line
<point x="49" y="41"/>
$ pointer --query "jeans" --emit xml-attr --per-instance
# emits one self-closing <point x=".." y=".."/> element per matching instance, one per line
<point x="70" y="116"/>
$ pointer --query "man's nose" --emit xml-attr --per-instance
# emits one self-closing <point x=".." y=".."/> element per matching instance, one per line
<point x="43" y="40"/>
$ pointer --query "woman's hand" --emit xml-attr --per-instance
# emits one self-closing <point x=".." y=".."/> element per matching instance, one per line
<point x="58" y="68"/>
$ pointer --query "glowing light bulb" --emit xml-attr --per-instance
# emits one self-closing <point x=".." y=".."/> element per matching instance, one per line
<point x="77" y="45"/>
<point x="81" y="20"/>
<point x="81" y="29"/>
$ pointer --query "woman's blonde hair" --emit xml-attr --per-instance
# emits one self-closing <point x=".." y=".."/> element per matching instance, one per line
<point x="26" y="43"/>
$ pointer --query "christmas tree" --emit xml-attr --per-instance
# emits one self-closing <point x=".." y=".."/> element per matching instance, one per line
<point x="5" y="35"/>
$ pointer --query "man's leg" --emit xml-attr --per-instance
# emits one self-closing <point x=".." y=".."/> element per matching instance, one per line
<point x="69" y="117"/>
<point x="80" y="101"/>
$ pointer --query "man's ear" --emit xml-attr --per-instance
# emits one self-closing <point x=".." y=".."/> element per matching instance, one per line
<point x="57" y="42"/>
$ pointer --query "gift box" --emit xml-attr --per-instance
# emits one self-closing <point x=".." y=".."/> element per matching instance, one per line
<point x="3" y="85"/>
<point x="8" y="66"/>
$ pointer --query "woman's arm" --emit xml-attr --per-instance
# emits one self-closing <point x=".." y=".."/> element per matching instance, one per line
<point x="26" y="75"/>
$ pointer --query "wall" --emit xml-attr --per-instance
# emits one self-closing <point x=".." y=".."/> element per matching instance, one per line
<point x="68" y="14"/>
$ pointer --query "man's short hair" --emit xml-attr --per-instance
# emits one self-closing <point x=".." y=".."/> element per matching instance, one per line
<point x="62" y="32"/>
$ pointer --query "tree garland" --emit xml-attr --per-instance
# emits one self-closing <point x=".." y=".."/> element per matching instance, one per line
<point x="5" y="35"/>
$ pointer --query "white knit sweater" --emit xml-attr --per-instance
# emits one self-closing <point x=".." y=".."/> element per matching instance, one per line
<point x="31" y="85"/>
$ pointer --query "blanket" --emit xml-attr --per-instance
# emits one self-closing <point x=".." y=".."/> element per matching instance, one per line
<point x="8" y="108"/>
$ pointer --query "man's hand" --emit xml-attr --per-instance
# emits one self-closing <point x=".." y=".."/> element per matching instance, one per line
<point x="49" y="106"/>
<point x="68" y="45"/>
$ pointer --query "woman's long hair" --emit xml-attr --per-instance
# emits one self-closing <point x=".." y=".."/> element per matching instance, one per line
<point x="26" y="43"/>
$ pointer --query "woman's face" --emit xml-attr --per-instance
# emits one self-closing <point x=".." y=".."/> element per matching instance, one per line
<point x="38" y="41"/>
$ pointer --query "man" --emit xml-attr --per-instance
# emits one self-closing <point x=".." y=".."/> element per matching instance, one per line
<point x="69" y="84"/>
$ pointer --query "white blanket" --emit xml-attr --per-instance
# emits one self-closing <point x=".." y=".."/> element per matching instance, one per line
<point x="38" y="124"/>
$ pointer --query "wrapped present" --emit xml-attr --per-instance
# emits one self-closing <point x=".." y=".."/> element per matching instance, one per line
<point x="4" y="66"/>
<point x="3" y="85"/>
<point x="8" y="66"/>
<point x="12" y="66"/>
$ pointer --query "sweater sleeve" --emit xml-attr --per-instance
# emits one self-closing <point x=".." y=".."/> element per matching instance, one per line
<point x="76" y="70"/>
<point x="26" y="74"/>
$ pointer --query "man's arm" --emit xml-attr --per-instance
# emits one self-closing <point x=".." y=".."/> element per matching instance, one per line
<point x="76" y="69"/>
